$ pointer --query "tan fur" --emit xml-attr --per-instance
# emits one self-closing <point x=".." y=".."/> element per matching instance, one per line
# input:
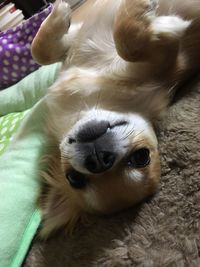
<point x="64" y="207"/>
<point x="122" y="60"/>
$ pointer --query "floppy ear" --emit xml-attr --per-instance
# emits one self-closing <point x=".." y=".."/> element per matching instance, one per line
<point x="58" y="203"/>
<point x="60" y="211"/>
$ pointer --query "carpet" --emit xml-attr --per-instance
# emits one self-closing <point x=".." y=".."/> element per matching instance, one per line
<point x="162" y="231"/>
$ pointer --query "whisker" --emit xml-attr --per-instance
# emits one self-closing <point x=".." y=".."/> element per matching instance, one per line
<point x="125" y="128"/>
<point x="128" y="134"/>
<point x="98" y="100"/>
<point x="78" y="114"/>
<point x="138" y="141"/>
<point x="135" y="143"/>
<point x="136" y="134"/>
<point x="139" y="133"/>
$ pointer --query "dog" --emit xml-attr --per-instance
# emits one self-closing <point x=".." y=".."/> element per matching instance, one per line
<point x="120" y="70"/>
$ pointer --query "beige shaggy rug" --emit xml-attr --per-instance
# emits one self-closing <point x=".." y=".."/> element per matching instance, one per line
<point x="163" y="231"/>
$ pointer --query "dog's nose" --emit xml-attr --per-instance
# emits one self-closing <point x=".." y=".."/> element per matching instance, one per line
<point x="92" y="130"/>
<point x="100" y="162"/>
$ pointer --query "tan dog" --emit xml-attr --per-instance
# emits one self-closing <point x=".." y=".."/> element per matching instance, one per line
<point x="120" y="70"/>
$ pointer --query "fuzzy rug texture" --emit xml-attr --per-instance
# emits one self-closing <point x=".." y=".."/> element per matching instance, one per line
<point x="165" y="230"/>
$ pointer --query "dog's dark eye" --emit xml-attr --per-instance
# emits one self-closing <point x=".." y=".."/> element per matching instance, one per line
<point x="76" y="179"/>
<point x="140" y="158"/>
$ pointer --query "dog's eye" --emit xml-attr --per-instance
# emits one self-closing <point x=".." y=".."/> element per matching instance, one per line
<point x="140" y="158"/>
<point x="76" y="179"/>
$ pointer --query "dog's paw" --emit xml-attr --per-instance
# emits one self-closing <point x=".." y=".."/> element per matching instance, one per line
<point x="60" y="16"/>
<point x="172" y="25"/>
<point x="62" y="9"/>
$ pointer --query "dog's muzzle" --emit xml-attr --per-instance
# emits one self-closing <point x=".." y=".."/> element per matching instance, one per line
<point x="95" y="141"/>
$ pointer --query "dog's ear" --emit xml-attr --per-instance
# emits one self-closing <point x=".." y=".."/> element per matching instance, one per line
<point x="59" y="205"/>
<point x="60" y="211"/>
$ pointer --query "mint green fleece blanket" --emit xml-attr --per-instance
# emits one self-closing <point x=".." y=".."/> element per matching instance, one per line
<point x="19" y="163"/>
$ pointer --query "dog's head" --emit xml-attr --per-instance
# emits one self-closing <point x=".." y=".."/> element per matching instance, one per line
<point x="107" y="160"/>
<point x="110" y="159"/>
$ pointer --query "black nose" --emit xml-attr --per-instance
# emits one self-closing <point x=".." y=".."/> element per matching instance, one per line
<point x="92" y="130"/>
<point x="100" y="162"/>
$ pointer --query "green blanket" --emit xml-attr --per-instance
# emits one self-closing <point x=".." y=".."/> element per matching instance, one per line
<point x="19" y="161"/>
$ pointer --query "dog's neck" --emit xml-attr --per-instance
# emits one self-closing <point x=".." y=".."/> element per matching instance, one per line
<point x="79" y="90"/>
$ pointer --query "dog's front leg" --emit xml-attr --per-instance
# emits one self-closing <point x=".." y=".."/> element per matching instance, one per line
<point x="52" y="41"/>
<point x="140" y="34"/>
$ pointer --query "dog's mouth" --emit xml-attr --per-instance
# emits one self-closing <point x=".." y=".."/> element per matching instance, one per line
<point x="99" y="141"/>
<point x="95" y="129"/>
<point x="96" y="142"/>
<point x="93" y="144"/>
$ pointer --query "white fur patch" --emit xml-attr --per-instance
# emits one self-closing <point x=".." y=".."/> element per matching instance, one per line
<point x="135" y="175"/>
<point x="169" y="24"/>
<point x="74" y="27"/>
<point x="91" y="199"/>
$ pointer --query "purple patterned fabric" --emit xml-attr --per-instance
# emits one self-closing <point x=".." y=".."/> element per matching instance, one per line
<point x="15" y="57"/>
